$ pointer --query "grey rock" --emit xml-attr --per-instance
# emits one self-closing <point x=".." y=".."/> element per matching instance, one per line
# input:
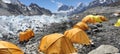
<point x="117" y="53"/>
<point x="104" y="49"/>
<point x="1" y="36"/>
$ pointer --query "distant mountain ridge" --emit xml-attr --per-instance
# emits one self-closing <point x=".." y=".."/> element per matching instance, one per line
<point x="14" y="7"/>
<point x="102" y="3"/>
<point x="81" y="7"/>
<point x="65" y="8"/>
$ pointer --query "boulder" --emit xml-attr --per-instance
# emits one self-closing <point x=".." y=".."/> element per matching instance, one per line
<point x="105" y="49"/>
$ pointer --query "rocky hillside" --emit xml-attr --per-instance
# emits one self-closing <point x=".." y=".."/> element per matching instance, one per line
<point x="95" y="3"/>
<point x="65" y="8"/>
<point x="9" y="7"/>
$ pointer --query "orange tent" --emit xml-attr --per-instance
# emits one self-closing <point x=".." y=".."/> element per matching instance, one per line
<point x="9" y="48"/>
<point x="25" y="36"/>
<point x="56" y="44"/>
<point x="89" y="19"/>
<point x="81" y="25"/>
<point x="30" y="33"/>
<point x="22" y="36"/>
<point x="77" y="36"/>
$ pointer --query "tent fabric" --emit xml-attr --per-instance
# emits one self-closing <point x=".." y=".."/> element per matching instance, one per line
<point x="98" y="19"/>
<point x="9" y="48"/>
<point x="81" y="25"/>
<point x="117" y="24"/>
<point x="77" y="36"/>
<point x="23" y="36"/>
<point x="103" y="18"/>
<point x="89" y="19"/>
<point x="30" y="33"/>
<point x="56" y="44"/>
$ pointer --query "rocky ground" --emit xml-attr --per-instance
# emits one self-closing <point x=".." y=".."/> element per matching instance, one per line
<point x="108" y="35"/>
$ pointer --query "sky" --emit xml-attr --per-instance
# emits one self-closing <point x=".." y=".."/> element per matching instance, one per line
<point x="53" y="5"/>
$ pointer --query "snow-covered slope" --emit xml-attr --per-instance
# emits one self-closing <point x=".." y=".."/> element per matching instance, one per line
<point x="79" y="8"/>
<point x="15" y="7"/>
<point x="101" y="2"/>
<point x="11" y="1"/>
<point x="65" y="7"/>
<point x="82" y="7"/>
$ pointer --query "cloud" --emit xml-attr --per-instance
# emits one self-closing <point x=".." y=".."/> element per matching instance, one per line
<point x="53" y="1"/>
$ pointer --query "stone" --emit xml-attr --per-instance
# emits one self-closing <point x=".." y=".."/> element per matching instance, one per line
<point x="105" y="49"/>
<point x="1" y="36"/>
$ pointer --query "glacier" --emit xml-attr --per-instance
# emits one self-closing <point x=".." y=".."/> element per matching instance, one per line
<point x="10" y="26"/>
<point x="13" y="24"/>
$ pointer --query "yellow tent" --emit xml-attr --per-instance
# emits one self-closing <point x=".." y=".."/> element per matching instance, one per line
<point x="56" y="44"/>
<point x="103" y="18"/>
<point x="100" y="18"/>
<point x="89" y="19"/>
<point x="77" y="36"/>
<point x="81" y="25"/>
<point x="9" y="48"/>
<point x="97" y="19"/>
<point x="117" y="24"/>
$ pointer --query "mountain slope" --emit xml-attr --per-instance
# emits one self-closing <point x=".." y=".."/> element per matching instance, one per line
<point x="82" y="7"/>
<point x="101" y="2"/>
<point x="65" y="8"/>
<point x="14" y="7"/>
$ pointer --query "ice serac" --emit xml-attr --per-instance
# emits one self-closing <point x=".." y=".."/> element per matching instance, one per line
<point x="15" y="7"/>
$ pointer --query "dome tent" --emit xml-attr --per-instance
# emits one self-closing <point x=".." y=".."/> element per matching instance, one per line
<point x="56" y="44"/>
<point x="77" y="36"/>
<point x="25" y="36"/>
<point x="100" y="18"/>
<point x="117" y="24"/>
<point x="30" y="33"/>
<point x="89" y="19"/>
<point x="9" y="48"/>
<point x="81" y="25"/>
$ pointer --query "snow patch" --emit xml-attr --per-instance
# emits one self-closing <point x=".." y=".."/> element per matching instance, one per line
<point x="11" y="1"/>
<point x="6" y="1"/>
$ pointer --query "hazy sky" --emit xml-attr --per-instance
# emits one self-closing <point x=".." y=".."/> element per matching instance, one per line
<point x="54" y="4"/>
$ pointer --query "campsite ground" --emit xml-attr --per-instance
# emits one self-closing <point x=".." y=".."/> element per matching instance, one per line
<point x="109" y="35"/>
